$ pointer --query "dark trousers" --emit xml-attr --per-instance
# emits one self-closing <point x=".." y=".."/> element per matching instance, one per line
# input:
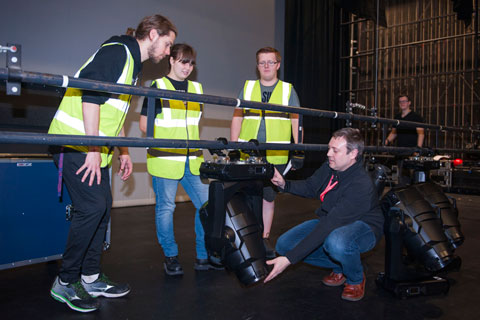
<point x="90" y="219"/>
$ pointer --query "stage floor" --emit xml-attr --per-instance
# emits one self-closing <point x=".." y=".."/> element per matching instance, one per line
<point x="136" y="257"/>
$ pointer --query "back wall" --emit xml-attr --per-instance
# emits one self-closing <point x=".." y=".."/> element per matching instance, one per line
<point x="58" y="36"/>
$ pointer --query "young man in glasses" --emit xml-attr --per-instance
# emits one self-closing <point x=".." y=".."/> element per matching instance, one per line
<point x="406" y="136"/>
<point x="267" y="126"/>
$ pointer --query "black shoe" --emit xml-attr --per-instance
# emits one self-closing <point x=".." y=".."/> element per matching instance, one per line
<point x="172" y="266"/>
<point x="206" y="264"/>
<point x="269" y="251"/>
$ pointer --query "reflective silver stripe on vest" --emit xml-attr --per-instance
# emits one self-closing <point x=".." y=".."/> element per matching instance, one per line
<point x="123" y="77"/>
<point x="285" y="93"/>
<point x="175" y="123"/>
<point x="118" y="104"/>
<point x="197" y="86"/>
<point x="72" y="122"/>
<point x="193" y="121"/>
<point x="277" y="118"/>
<point x="167" y="114"/>
<point x="162" y="84"/>
<point x="249" y="90"/>
<point x="167" y="121"/>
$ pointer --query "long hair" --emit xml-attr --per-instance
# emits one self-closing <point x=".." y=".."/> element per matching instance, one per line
<point x="156" y="22"/>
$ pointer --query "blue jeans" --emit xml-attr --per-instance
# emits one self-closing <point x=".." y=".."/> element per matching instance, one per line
<point x="165" y="191"/>
<point x="340" y="251"/>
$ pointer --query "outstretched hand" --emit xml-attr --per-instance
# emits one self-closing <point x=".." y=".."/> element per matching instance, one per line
<point x="279" y="264"/>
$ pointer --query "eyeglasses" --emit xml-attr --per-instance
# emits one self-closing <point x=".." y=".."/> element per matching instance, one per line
<point x="264" y="63"/>
<point x="403" y="101"/>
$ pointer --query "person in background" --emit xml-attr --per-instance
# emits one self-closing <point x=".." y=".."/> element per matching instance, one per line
<point x="406" y="136"/>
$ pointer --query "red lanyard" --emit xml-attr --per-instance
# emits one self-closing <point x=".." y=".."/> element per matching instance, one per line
<point x="329" y="187"/>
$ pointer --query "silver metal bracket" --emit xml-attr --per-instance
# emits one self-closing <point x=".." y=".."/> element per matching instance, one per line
<point x="14" y="62"/>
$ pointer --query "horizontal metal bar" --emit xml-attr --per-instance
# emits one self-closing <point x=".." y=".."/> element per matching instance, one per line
<point x="66" y="81"/>
<point x="358" y="89"/>
<point x="72" y="82"/>
<point x="56" y="139"/>
<point x="419" y="74"/>
<point x="353" y="22"/>
<point x="390" y="26"/>
<point x="414" y="43"/>
<point x="7" y="137"/>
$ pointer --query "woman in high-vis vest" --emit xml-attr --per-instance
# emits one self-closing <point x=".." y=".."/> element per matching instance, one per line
<point x="267" y="126"/>
<point x="85" y="169"/>
<point x="177" y="120"/>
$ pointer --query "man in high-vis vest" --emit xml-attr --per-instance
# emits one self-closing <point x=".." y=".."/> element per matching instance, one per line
<point x="267" y="126"/>
<point x="177" y="120"/>
<point x="85" y="170"/>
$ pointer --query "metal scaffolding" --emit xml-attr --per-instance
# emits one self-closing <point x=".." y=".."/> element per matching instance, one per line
<point x="424" y="52"/>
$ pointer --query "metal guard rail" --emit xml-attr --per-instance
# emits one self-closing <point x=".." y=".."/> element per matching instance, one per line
<point x="8" y="137"/>
<point x="67" y="81"/>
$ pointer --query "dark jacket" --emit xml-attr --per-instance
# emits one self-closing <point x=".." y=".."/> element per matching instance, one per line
<point x="353" y="198"/>
<point x="108" y="66"/>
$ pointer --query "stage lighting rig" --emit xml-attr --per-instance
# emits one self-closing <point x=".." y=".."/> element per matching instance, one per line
<point x="232" y="216"/>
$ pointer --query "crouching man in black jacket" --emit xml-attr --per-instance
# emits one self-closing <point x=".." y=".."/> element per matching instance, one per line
<point x="349" y="220"/>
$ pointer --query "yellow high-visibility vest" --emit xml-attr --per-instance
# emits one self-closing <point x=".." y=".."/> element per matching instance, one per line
<point x="178" y="120"/>
<point x="278" y="125"/>
<point x="69" y="116"/>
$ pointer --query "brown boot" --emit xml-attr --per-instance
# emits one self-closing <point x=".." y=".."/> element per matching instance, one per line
<point x="334" y="279"/>
<point x="354" y="292"/>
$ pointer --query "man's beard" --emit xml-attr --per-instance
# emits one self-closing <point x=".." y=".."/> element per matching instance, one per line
<point x="151" y="54"/>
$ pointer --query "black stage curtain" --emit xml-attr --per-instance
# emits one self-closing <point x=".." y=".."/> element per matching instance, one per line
<point x="313" y="47"/>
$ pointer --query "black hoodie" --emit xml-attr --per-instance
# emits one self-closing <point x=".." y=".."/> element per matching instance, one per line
<point x="108" y="65"/>
<point x="353" y="198"/>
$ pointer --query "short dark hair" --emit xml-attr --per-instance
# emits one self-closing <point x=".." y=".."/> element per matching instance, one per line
<point x="157" y="22"/>
<point x="354" y="140"/>
<point x="278" y="56"/>
<point x="404" y="95"/>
